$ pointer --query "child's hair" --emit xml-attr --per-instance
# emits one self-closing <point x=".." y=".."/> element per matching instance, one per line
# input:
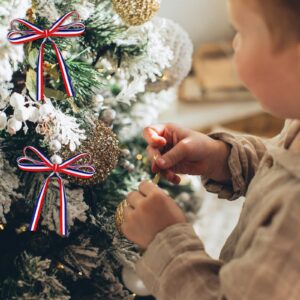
<point x="282" y="18"/>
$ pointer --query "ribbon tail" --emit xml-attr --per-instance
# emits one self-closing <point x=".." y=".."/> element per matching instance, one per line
<point x="40" y="74"/>
<point x="39" y="205"/>
<point x="64" y="72"/>
<point x="63" y="209"/>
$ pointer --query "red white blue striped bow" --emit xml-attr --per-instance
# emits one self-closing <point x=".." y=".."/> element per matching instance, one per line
<point x="35" y="33"/>
<point x="29" y="164"/>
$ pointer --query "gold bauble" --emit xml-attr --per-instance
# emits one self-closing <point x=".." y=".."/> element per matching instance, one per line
<point x="119" y="215"/>
<point x="103" y="147"/>
<point x="136" y="12"/>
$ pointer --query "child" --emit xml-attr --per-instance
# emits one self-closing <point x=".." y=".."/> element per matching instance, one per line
<point x="261" y="258"/>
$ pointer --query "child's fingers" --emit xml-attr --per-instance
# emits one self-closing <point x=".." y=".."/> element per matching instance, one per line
<point x="154" y="135"/>
<point x="147" y="187"/>
<point x="154" y="167"/>
<point x="172" y="157"/>
<point x="171" y="176"/>
<point x="153" y="154"/>
<point x="168" y="174"/>
<point x="176" y="179"/>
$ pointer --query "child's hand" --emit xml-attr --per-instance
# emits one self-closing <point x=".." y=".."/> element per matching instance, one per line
<point x="150" y="211"/>
<point x="183" y="151"/>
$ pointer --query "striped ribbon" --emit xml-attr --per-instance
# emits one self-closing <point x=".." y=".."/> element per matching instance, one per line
<point x="35" y="33"/>
<point x="26" y="163"/>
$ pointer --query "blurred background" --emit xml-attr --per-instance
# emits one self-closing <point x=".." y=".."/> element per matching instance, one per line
<point x="205" y="20"/>
<point x="213" y="98"/>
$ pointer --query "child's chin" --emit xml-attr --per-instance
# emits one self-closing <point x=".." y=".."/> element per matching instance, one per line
<point x="277" y="111"/>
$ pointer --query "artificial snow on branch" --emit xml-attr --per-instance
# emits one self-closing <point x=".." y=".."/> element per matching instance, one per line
<point x="54" y="125"/>
<point x="10" y="55"/>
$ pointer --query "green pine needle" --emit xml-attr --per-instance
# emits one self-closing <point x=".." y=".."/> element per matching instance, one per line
<point x="84" y="79"/>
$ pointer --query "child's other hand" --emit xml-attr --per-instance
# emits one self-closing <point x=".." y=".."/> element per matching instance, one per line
<point x="150" y="211"/>
<point x="175" y="150"/>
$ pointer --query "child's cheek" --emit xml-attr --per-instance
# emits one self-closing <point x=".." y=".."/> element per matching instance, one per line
<point x="247" y="60"/>
<point x="242" y="67"/>
<point x="240" y="58"/>
<point x="253" y="73"/>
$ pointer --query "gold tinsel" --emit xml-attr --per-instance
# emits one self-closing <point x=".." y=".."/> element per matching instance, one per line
<point x="103" y="146"/>
<point x="136" y="12"/>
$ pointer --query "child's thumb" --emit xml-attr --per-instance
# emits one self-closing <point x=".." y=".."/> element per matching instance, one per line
<point x="172" y="157"/>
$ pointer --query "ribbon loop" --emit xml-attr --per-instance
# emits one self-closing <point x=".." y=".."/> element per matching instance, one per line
<point x="29" y="164"/>
<point x="74" y="29"/>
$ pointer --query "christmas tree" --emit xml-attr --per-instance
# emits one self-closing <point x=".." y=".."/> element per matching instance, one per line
<point x="84" y="94"/>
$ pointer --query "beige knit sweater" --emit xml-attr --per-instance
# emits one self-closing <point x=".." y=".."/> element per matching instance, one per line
<point x="261" y="258"/>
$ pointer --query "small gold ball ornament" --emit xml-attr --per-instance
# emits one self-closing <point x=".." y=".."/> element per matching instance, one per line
<point x="136" y="12"/>
<point x="139" y="157"/>
<point x="60" y="266"/>
<point x="103" y="147"/>
<point x="21" y="229"/>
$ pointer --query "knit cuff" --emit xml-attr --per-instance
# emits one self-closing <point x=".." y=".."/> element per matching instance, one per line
<point x="237" y="187"/>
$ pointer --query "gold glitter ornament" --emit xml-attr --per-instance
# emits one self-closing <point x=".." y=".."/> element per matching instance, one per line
<point x="119" y="215"/>
<point x="103" y="147"/>
<point x="136" y="12"/>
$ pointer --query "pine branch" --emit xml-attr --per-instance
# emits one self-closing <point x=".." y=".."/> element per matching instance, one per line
<point x="34" y="281"/>
<point x="102" y="28"/>
<point x="64" y="6"/>
<point x="102" y="32"/>
<point x="84" y="79"/>
<point x="13" y="145"/>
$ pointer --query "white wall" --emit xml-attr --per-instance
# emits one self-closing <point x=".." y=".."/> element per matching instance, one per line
<point x="204" y="20"/>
